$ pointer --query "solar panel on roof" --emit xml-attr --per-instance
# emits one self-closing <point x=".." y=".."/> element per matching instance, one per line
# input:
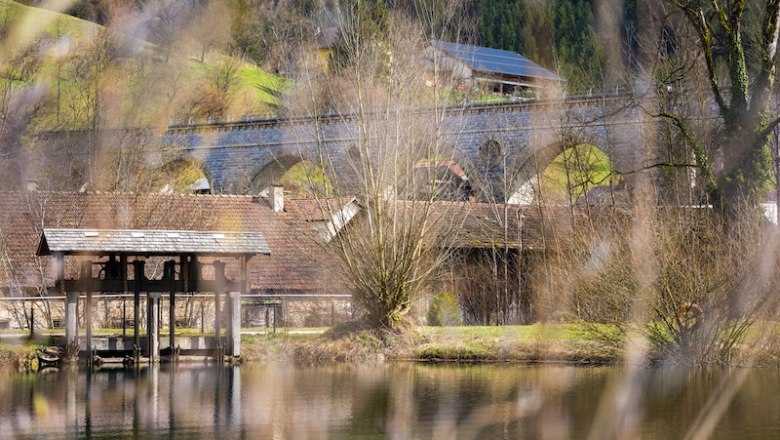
<point x="485" y="59"/>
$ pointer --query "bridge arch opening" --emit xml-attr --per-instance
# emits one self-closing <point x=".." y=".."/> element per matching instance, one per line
<point x="567" y="174"/>
<point x="182" y="175"/>
<point x="301" y="178"/>
<point x="577" y="173"/>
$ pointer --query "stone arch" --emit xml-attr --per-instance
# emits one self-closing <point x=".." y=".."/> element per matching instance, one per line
<point x="185" y="174"/>
<point x="271" y="172"/>
<point x="531" y="168"/>
<point x="306" y="179"/>
<point x="276" y="172"/>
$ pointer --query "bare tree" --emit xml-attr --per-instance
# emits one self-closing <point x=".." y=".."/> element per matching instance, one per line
<point x="395" y="249"/>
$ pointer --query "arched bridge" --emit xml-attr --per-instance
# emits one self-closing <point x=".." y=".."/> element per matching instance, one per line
<point x="529" y="135"/>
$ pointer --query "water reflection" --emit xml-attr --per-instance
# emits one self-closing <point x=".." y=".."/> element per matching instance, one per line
<point x="399" y="401"/>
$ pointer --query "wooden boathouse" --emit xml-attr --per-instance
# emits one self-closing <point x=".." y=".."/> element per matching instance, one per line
<point x="114" y="260"/>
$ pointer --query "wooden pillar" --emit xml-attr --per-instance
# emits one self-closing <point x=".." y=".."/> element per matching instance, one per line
<point x="184" y="274"/>
<point x="86" y="278"/>
<point x="219" y="278"/>
<point x="32" y="319"/>
<point x="153" y="326"/>
<point x="235" y="325"/>
<point x="71" y="310"/>
<point x="171" y="275"/>
<point x="138" y="271"/>
<point x="71" y="321"/>
<point x="235" y="309"/>
<point x="123" y="275"/>
<point x="229" y="323"/>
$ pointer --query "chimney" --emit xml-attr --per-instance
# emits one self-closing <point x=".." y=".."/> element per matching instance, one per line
<point x="276" y="198"/>
<point x="32" y="185"/>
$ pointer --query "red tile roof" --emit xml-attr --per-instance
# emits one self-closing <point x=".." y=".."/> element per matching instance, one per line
<point x="314" y="210"/>
<point x="297" y="262"/>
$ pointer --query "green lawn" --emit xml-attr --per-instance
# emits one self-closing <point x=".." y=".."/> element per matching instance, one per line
<point x="577" y="170"/>
<point x="252" y="91"/>
<point x="30" y="21"/>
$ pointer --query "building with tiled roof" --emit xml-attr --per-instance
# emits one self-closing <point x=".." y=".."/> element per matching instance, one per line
<point x="297" y="263"/>
<point x="326" y="216"/>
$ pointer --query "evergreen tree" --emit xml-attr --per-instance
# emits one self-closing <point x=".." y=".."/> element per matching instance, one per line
<point x="576" y="43"/>
<point x="500" y="23"/>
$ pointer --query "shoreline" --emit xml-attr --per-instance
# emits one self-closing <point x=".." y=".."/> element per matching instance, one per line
<point x="537" y="344"/>
<point x="439" y="345"/>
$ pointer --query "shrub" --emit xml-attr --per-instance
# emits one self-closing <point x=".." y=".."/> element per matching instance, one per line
<point x="444" y="310"/>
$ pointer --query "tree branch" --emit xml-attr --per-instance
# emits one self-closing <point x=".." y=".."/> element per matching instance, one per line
<point x="766" y="131"/>
<point x="699" y="23"/>
<point x="660" y="165"/>
<point x="766" y="75"/>
<point x="698" y="152"/>
<point x="721" y="15"/>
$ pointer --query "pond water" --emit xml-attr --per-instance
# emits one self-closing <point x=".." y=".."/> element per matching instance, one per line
<point x="396" y="401"/>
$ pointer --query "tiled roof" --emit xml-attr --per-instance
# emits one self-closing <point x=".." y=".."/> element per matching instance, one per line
<point x="488" y="225"/>
<point x="296" y="262"/>
<point x="449" y="165"/>
<point x="151" y="242"/>
<point x="313" y="210"/>
<point x="469" y="224"/>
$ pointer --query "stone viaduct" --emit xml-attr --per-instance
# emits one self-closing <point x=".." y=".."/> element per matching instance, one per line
<point x="529" y="135"/>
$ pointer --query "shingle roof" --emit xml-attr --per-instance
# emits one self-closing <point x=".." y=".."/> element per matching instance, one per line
<point x="504" y="62"/>
<point x="517" y="226"/>
<point x="313" y="210"/>
<point x="296" y="262"/>
<point x="491" y="225"/>
<point x="151" y="242"/>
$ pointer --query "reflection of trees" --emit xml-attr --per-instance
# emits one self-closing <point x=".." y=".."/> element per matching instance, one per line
<point x="439" y="401"/>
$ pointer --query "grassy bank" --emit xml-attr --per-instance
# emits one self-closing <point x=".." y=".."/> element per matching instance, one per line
<point x="18" y="352"/>
<point x="570" y="343"/>
<point x="531" y="343"/>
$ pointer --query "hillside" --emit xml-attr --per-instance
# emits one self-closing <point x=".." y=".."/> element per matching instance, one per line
<point x="90" y="72"/>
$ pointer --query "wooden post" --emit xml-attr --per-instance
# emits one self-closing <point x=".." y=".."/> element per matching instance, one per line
<point x="123" y="275"/>
<point x="184" y="274"/>
<point x="86" y="279"/>
<point x="235" y="310"/>
<point x="153" y="326"/>
<point x="124" y="316"/>
<point x="235" y="325"/>
<point x="71" y="311"/>
<point x="32" y="318"/>
<point x="202" y="318"/>
<point x="72" y="322"/>
<point x="219" y="278"/>
<point x="138" y="271"/>
<point x="229" y="322"/>
<point x="172" y="307"/>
